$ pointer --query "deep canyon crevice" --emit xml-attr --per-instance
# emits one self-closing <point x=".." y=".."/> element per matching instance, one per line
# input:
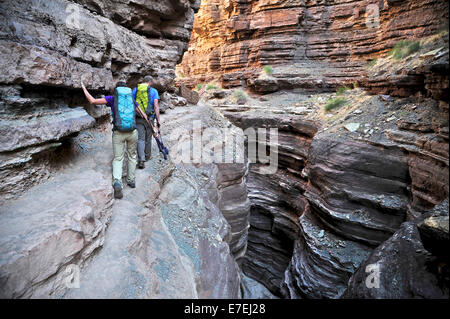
<point x="335" y="197"/>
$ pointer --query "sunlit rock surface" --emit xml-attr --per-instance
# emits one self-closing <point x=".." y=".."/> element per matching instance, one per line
<point x="310" y="44"/>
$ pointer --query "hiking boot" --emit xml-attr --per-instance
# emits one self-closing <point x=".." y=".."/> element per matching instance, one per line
<point x="117" y="190"/>
<point x="147" y="158"/>
<point x="132" y="184"/>
<point x="141" y="165"/>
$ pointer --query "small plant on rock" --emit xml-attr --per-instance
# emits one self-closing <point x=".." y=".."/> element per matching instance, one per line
<point x="342" y="90"/>
<point x="211" y="86"/>
<point x="372" y="62"/>
<point x="268" y="70"/>
<point x="404" y="48"/>
<point x="335" y="103"/>
<point x="199" y="86"/>
<point x="240" y="97"/>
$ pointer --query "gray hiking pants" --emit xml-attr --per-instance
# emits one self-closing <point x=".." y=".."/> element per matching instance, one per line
<point x="144" y="145"/>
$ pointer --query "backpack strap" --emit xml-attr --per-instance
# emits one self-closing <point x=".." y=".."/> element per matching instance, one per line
<point x="150" y="108"/>
<point x="116" y="118"/>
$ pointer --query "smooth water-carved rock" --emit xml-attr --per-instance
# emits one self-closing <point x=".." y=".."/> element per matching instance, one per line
<point x="276" y="199"/>
<point x="55" y="224"/>
<point x="402" y="268"/>
<point x="338" y="194"/>
<point x="322" y="262"/>
<point x="357" y="189"/>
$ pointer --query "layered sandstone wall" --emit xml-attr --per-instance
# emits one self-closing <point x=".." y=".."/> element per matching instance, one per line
<point x="232" y="40"/>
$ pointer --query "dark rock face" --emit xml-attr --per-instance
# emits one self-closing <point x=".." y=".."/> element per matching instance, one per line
<point x="406" y="270"/>
<point x="48" y="47"/>
<point x="358" y="190"/>
<point x="322" y="262"/>
<point x="337" y="196"/>
<point x="434" y="234"/>
<point x="425" y="139"/>
<point x="276" y="200"/>
<point x="234" y="204"/>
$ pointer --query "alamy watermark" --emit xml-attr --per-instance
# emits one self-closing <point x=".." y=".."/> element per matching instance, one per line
<point x="73" y="17"/>
<point x="72" y="276"/>
<point x="373" y="277"/>
<point x="373" y="16"/>
<point x="205" y="145"/>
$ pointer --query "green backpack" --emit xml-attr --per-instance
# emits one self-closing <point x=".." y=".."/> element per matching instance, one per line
<point x="142" y="97"/>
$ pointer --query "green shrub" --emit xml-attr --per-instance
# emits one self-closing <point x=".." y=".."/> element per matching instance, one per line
<point x="403" y="49"/>
<point x="335" y="103"/>
<point x="413" y="48"/>
<point x="373" y="62"/>
<point x="239" y="95"/>
<point x="268" y="69"/>
<point x="444" y="28"/>
<point x="199" y="86"/>
<point x="342" y="90"/>
<point x="211" y="87"/>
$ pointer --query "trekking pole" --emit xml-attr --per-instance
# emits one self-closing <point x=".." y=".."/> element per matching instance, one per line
<point x="159" y="142"/>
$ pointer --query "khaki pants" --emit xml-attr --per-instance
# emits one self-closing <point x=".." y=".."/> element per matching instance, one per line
<point x="124" y="142"/>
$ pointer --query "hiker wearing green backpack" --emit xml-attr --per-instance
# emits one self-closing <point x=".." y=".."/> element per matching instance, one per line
<point x="147" y="98"/>
<point x="124" y="136"/>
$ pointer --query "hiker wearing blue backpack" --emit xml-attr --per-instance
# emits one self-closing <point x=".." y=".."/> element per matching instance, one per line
<point x="147" y="98"/>
<point x="124" y="136"/>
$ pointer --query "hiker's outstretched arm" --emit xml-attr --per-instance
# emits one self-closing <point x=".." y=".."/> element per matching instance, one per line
<point x="90" y="98"/>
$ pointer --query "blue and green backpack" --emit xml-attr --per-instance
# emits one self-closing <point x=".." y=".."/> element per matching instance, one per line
<point x="124" y="110"/>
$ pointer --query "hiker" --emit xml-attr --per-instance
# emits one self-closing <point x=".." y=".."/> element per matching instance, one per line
<point x="124" y="136"/>
<point x="147" y="98"/>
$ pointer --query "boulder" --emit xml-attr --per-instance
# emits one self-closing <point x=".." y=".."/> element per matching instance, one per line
<point x="434" y="234"/>
<point x="400" y="268"/>
<point x="191" y="96"/>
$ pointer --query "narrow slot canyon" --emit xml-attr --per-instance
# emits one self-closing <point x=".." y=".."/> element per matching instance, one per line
<point x="337" y="198"/>
<point x="334" y="116"/>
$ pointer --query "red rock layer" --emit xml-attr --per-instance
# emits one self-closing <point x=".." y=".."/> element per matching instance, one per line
<point x="233" y="39"/>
